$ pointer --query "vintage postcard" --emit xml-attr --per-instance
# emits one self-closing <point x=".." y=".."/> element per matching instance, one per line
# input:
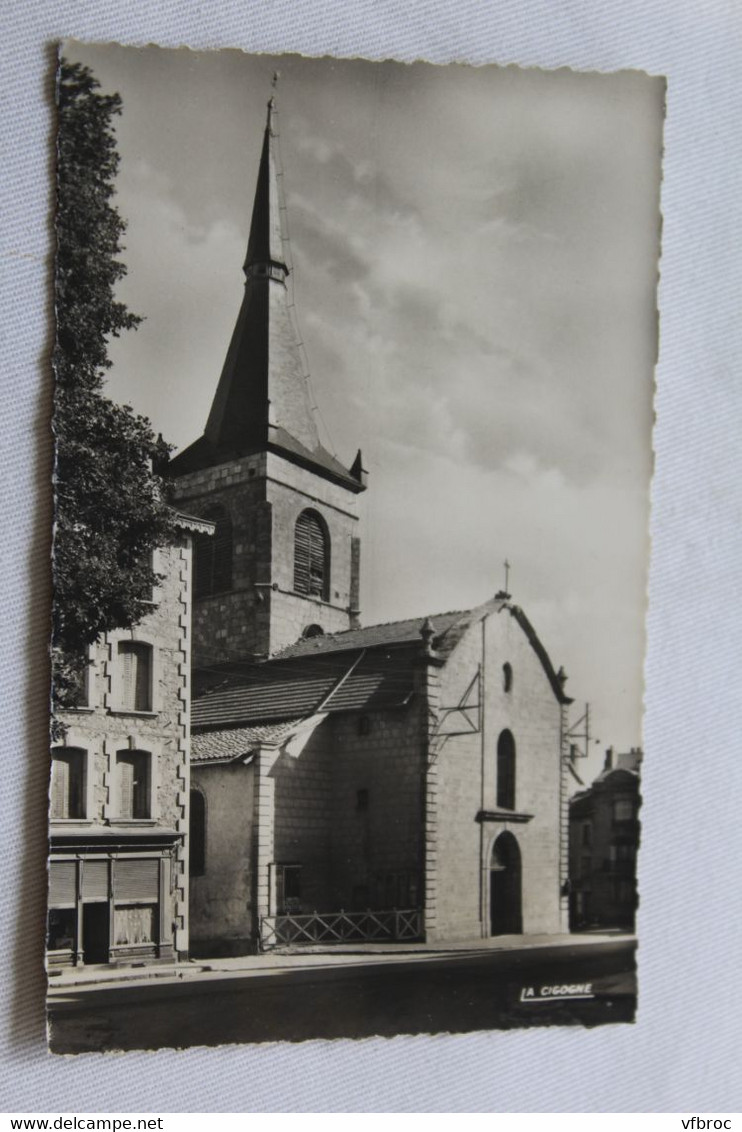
<point x="354" y="378"/>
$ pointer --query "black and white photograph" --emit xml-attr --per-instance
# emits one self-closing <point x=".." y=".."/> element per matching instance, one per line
<point x="354" y="369"/>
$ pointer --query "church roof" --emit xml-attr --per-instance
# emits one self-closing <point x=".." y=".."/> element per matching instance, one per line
<point x="387" y="633"/>
<point x="237" y="742"/>
<point x="262" y="400"/>
<point x="281" y="690"/>
<point x="357" y="670"/>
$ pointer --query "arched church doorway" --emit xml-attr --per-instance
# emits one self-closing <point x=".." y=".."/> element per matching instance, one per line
<point x="506" y="917"/>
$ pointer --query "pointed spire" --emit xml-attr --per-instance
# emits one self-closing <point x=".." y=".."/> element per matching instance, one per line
<point x="265" y="253"/>
<point x="262" y="391"/>
<point x="262" y="400"/>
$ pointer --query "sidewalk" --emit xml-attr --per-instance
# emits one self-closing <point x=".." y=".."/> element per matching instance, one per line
<point x="319" y="955"/>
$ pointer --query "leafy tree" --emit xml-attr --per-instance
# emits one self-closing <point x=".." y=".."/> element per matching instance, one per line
<point x="110" y="510"/>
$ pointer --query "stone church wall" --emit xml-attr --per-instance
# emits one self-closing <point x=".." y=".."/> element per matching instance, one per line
<point x="236" y="622"/>
<point x="291" y="490"/>
<point x="467" y="783"/>
<point x="303" y="816"/>
<point x="377" y="800"/>
<point x="264" y="494"/>
<point x="221" y="899"/>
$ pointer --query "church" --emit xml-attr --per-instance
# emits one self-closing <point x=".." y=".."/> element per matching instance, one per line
<point x="388" y="782"/>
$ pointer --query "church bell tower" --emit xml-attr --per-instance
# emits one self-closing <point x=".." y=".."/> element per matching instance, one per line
<point x="285" y="557"/>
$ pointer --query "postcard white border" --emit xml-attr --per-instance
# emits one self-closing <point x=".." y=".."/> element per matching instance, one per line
<point x="681" y="1052"/>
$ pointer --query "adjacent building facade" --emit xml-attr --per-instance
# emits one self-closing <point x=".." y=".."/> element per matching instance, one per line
<point x="120" y="781"/>
<point x="603" y="843"/>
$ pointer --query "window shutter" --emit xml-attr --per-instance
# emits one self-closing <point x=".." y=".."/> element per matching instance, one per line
<point x="62" y="883"/>
<point x="301" y="555"/>
<point x="135" y="660"/>
<point x="59" y="786"/>
<point x="95" y="880"/>
<point x="68" y="783"/>
<point x="138" y="879"/>
<point x="126" y="787"/>
<point x="311" y="557"/>
<point x="128" y="675"/>
<point x="134" y="775"/>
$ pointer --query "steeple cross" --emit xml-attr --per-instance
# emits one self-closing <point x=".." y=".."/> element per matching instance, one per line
<point x="507" y="574"/>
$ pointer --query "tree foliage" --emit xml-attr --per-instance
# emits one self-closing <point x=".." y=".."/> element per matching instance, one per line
<point x="110" y="511"/>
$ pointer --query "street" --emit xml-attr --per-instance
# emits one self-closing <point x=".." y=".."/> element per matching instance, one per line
<point x="434" y="993"/>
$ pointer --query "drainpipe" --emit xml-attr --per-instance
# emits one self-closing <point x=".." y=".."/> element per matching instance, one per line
<point x="429" y="664"/>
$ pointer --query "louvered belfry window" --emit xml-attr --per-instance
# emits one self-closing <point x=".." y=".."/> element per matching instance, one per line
<point x="312" y="556"/>
<point x="213" y="556"/>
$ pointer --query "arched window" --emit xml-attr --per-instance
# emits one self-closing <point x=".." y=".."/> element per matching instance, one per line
<point x="212" y="559"/>
<point x="507" y="677"/>
<point x="197" y="851"/>
<point x="313" y="631"/>
<point x="506" y="770"/>
<point x="312" y="556"/>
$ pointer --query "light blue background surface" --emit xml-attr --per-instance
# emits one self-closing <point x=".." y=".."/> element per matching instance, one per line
<point x="681" y="1054"/>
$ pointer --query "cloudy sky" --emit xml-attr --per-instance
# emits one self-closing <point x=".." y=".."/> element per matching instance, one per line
<point x="475" y="256"/>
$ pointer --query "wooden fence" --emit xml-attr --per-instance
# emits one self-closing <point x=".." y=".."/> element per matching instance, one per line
<point x="341" y="927"/>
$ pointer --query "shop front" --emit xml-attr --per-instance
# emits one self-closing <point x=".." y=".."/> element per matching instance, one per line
<point x="111" y="900"/>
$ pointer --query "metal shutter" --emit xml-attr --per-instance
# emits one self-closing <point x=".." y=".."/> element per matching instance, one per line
<point x="62" y="883"/>
<point x="137" y="880"/>
<point x="95" y="880"/>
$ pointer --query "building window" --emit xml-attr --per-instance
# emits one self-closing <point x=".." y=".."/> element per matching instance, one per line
<point x="364" y="725"/>
<point x="134" y="782"/>
<point x="212" y="559"/>
<point x="197" y="850"/>
<point x="135" y="664"/>
<point x="312" y="556"/>
<point x="61" y="926"/>
<point x="587" y="833"/>
<point x="506" y="770"/>
<point x="313" y="631"/>
<point x="623" y="809"/>
<point x="288" y="896"/>
<point x="362" y="800"/>
<point x="507" y="677"/>
<point x="67" y="794"/>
